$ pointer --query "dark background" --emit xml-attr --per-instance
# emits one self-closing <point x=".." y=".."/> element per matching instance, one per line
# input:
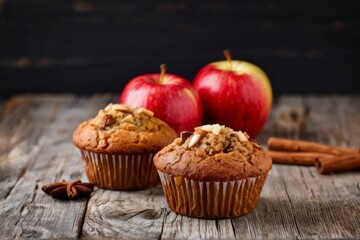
<point x="95" y="46"/>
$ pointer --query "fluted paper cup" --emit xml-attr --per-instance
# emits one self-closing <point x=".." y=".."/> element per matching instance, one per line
<point x="120" y="172"/>
<point x="211" y="199"/>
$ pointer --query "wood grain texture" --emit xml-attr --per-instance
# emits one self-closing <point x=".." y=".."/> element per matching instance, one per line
<point x="126" y="215"/>
<point x="296" y="202"/>
<point x="27" y="212"/>
<point x="22" y="123"/>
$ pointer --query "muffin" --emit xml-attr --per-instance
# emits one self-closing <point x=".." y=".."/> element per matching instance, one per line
<point x="117" y="147"/>
<point x="213" y="172"/>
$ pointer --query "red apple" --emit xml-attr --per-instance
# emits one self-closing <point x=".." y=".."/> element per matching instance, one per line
<point x="235" y="93"/>
<point x="172" y="98"/>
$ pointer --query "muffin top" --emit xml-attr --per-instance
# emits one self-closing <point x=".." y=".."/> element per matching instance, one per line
<point x="213" y="153"/>
<point x="120" y="129"/>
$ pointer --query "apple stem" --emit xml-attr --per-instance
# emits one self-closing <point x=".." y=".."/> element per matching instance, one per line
<point x="162" y="72"/>
<point x="227" y="55"/>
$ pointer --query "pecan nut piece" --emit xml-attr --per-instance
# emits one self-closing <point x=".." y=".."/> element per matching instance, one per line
<point x="107" y="120"/>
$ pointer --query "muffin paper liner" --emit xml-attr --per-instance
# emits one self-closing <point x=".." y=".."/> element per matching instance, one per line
<point x="120" y="172"/>
<point x="211" y="199"/>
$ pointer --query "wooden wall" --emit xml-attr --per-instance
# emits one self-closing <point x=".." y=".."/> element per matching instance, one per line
<point x="98" y="45"/>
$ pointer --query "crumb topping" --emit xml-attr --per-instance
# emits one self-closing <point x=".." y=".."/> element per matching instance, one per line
<point x="118" y="116"/>
<point x="120" y="129"/>
<point x="209" y="140"/>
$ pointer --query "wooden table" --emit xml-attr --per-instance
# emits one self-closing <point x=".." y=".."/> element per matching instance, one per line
<point x="296" y="202"/>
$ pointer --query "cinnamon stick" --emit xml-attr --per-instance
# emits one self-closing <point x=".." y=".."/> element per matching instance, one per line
<point x="338" y="163"/>
<point x="49" y="187"/>
<point x="83" y="190"/>
<point x="59" y="192"/>
<point x="71" y="190"/>
<point x="297" y="158"/>
<point x="283" y="144"/>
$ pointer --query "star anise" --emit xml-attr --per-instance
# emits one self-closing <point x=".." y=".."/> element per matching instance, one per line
<point x="70" y="190"/>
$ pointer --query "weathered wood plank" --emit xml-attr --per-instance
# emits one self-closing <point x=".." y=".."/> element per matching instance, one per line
<point x="22" y="121"/>
<point x="287" y="118"/>
<point x="145" y="215"/>
<point x="127" y="215"/>
<point x="27" y="212"/>
<point x="340" y="130"/>
<point x="349" y="113"/>
<point x="181" y="227"/>
<point x="296" y="201"/>
<point x="329" y="117"/>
